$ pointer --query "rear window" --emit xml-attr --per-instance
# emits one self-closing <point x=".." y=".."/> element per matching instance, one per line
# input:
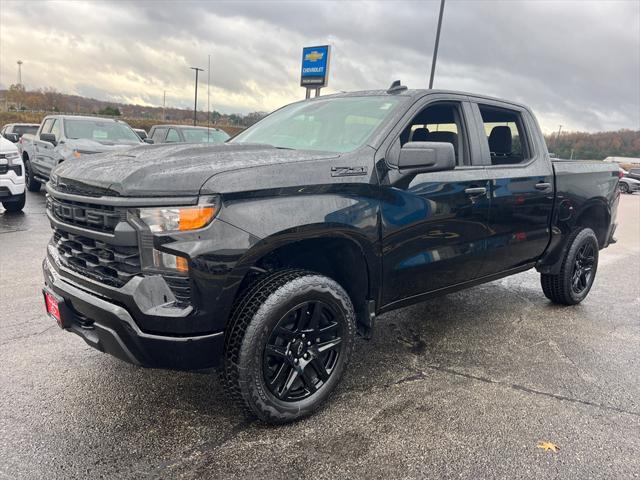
<point x="201" y="135"/>
<point x="22" y="129"/>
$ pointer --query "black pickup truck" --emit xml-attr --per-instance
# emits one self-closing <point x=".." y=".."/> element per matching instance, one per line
<point x="266" y="255"/>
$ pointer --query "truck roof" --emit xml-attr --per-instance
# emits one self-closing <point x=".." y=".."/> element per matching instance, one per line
<point x="169" y="125"/>
<point x="85" y="117"/>
<point x="415" y="93"/>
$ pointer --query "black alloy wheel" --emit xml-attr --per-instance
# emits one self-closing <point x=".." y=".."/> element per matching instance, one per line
<point x="302" y="351"/>
<point x="582" y="274"/>
<point x="287" y="345"/>
<point x="572" y="283"/>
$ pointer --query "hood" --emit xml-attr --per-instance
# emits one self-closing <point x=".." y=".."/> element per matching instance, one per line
<point x="166" y="170"/>
<point x="91" y="146"/>
<point x="6" y="146"/>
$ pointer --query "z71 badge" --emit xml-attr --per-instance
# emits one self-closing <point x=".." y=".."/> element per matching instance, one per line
<point x="348" y="171"/>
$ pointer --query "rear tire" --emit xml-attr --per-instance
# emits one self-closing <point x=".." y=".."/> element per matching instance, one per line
<point x="16" y="205"/>
<point x="32" y="184"/>
<point x="624" y="188"/>
<point x="578" y="271"/>
<point x="288" y="342"/>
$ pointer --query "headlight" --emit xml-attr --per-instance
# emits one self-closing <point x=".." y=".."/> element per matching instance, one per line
<point x="166" y="220"/>
<point x="13" y="158"/>
<point x="13" y="162"/>
<point x="169" y="219"/>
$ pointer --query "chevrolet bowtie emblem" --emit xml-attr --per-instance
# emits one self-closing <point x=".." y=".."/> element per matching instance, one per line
<point x="313" y="56"/>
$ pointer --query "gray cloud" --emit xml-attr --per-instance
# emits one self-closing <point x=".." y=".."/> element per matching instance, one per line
<point x="575" y="62"/>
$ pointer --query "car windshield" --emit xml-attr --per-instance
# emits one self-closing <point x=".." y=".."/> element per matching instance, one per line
<point x="104" y="132"/>
<point x="200" y="135"/>
<point x="332" y="125"/>
<point x="22" y="129"/>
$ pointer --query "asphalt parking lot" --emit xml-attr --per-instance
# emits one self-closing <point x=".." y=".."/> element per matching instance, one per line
<point x="463" y="386"/>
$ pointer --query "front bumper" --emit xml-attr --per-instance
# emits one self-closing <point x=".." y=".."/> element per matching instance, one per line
<point x="110" y="328"/>
<point x="12" y="185"/>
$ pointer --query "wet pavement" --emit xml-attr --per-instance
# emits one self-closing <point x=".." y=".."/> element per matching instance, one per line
<point x="462" y="386"/>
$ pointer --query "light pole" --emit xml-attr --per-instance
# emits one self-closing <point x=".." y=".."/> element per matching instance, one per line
<point x="195" y="103"/>
<point x="19" y="72"/>
<point x="164" y="106"/>
<point x="435" y="48"/>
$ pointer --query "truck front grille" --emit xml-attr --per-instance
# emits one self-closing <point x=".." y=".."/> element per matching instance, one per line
<point x="96" y="217"/>
<point x="109" y="264"/>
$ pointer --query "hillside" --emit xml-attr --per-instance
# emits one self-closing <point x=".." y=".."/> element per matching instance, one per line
<point x="49" y="100"/>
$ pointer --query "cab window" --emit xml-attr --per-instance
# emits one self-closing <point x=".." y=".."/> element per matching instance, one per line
<point x="55" y="129"/>
<point x="172" y="136"/>
<point x="46" y="127"/>
<point x="158" y="135"/>
<point x="504" y="130"/>
<point x="440" y="122"/>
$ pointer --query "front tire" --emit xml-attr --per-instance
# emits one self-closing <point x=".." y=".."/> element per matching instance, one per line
<point x="578" y="270"/>
<point x="32" y="184"/>
<point x="623" y="187"/>
<point x="289" y="340"/>
<point x="15" y="205"/>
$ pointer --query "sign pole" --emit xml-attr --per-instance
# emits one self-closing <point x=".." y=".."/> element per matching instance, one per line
<point x="308" y="94"/>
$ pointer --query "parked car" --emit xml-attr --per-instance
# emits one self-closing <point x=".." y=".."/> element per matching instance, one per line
<point x="63" y="137"/>
<point x="12" y="193"/>
<point x="186" y="134"/>
<point x="14" y="131"/>
<point x="629" y="185"/>
<point x="265" y="255"/>
<point x="633" y="173"/>
<point x="141" y="133"/>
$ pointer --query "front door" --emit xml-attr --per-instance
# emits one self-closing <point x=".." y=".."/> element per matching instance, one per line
<point x="434" y="225"/>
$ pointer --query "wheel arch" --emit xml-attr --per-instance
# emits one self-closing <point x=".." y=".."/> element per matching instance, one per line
<point x="339" y="252"/>
<point x="595" y="215"/>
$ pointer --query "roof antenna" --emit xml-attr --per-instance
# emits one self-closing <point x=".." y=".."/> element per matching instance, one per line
<point x="396" y="87"/>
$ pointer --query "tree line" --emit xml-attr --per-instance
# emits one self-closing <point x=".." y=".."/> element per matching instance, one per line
<point x="17" y="98"/>
<point x="595" y="146"/>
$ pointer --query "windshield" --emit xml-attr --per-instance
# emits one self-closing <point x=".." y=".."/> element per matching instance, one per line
<point x="332" y="125"/>
<point x="199" y="135"/>
<point x="100" y="131"/>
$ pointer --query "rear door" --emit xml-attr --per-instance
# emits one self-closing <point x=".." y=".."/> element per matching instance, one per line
<point x="522" y="185"/>
<point x="434" y="225"/>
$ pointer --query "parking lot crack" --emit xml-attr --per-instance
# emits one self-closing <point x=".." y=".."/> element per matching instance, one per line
<point x="29" y="335"/>
<point x="522" y="388"/>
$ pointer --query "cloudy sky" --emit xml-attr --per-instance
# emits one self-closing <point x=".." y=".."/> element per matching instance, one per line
<point x="577" y="63"/>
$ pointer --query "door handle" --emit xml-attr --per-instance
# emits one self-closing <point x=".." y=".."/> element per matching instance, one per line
<point x="543" y="186"/>
<point x="475" y="190"/>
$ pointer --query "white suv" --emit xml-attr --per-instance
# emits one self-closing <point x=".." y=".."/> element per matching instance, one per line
<point x="12" y="193"/>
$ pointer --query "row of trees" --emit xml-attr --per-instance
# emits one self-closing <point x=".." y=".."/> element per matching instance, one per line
<point x="595" y="146"/>
<point x="50" y="100"/>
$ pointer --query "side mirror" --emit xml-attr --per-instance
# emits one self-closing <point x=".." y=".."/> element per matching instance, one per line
<point x="148" y="140"/>
<point x="49" y="137"/>
<point x="420" y="157"/>
<point x="12" y="137"/>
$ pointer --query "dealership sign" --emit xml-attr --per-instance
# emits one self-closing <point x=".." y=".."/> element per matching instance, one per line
<point x="315" y="66"/>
